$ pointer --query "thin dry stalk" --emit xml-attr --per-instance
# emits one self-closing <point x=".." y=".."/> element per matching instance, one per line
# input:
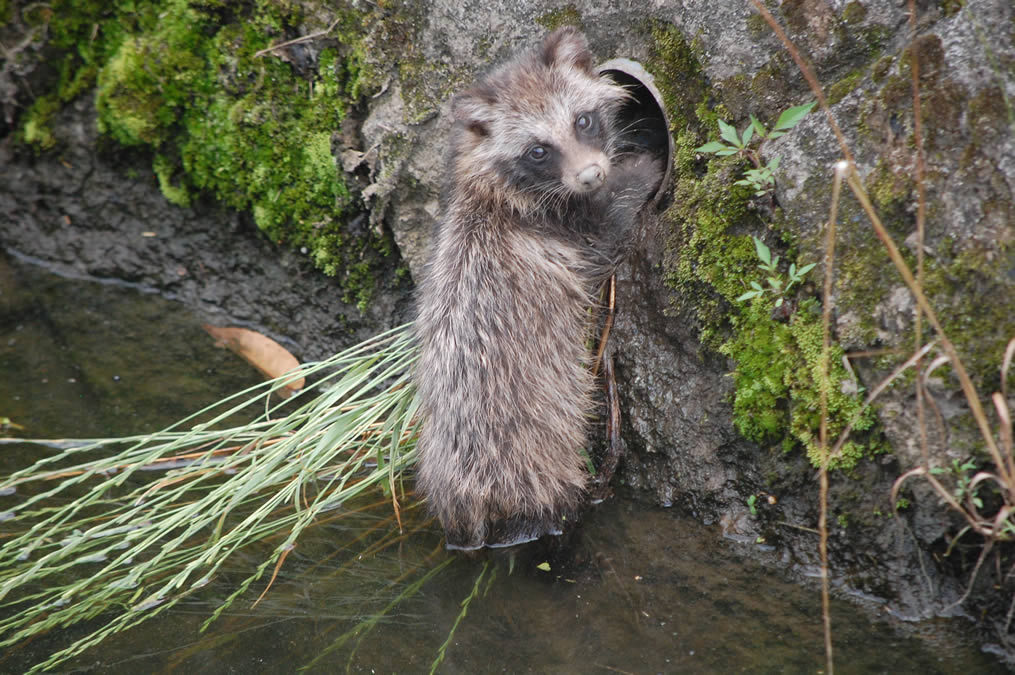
<point x="808" y="74"/>
<point x="306" y="38"/>
<point x="1009" y="353"/>
<point x="1004" y="462"/>
<point x="611" y="294"/>
<point x="972" y="397"/>
<point x="826" y="325"/>
<point x="921" y="210"/>
<point x="876" y="391"/>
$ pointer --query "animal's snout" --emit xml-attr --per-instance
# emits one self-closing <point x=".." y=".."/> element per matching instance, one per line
<point x="591" y="177"/>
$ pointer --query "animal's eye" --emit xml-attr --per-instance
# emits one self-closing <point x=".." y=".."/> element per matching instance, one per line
<point x="585" y="122"/>
<point x="537" y="153"/>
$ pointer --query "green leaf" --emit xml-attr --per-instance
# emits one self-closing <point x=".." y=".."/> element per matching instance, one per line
<point x="775" y="134"/>
<point x="778" y="303"/>
<point x="792" y="270"/>
<point x="729" y="134"/>
<point x="790" y="118"/>
<point x="749" y="295"/>
<point x="756" y="286"/>
<point x="764" y="254"/>
<point x="759" y="128"/>
<point x="746" y="136"/>
<point x="713" y="146"/>
<point x="545" y="566"/>
<point x="774" y="164"/>
<point x="805" y="269"/>
<point x="775" y="282"/>
<point x="727" y="153"/>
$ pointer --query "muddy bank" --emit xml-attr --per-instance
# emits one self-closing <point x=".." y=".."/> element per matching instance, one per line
<point x="94" y="210"/>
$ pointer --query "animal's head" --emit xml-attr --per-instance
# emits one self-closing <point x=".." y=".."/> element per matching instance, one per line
<point x="540" y="126"/>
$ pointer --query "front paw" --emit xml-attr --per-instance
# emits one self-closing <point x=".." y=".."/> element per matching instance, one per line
<point x="635" y="178"/>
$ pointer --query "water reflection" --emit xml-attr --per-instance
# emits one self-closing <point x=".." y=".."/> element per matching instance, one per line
<point x="637" y="590"/>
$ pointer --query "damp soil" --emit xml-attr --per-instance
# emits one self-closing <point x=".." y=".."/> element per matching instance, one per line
<point x="637" y="588"/>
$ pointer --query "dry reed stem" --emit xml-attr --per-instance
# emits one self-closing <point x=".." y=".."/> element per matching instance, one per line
<point x="305" y="38"/>
<point x="999" y="526"/>
<point x="975" y="406"/>
<point x="808" y="74"/>
<point x="611" y="294"/>
<point x="1009" y="353"/>
<point x="274" y="575"/>
<point x="826" y="323"/>
<point x="921" y="210"/>
<point x="876" y="391"/>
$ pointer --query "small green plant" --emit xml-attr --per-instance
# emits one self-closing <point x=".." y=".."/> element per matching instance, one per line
<point x="752" y="504"/>
<point x="963" y="473"/>
<point x="762" y="177"/>
<point x="777" y="286"/>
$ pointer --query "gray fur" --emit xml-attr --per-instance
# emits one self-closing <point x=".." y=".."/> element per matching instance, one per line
<point x="503" y="322"/>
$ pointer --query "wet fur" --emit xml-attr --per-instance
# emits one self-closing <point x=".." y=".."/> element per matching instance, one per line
<point x="503" y="376"/>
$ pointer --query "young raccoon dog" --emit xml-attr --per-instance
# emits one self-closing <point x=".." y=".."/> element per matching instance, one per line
<point x="536" y="216"/>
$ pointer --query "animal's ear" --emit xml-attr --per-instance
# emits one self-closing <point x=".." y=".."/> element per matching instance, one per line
<point x="473" y="109"/>
<point x="566" y="46"/>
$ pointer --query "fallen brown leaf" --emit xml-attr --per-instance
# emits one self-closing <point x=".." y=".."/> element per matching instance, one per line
<point x="269" y="357"/>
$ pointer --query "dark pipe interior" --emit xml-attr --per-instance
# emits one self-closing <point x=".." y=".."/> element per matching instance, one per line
<point x="642" y="119"/>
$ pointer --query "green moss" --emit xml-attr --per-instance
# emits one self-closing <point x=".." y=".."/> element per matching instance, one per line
<point x="881" y="68"/>
<point x="840" y="89"/>
<point x="35" y="129"/>
<point x="773" y="89"/>
<point x="854" y="12"/>
<point x="568" y="15"/>
<point x="890" y="190"/>
<point x="175" y="193"/>
<point x="677" y="72"/>
<point x="779" y="376"/>
<point x="710" y="260"/>
<point x="778" y="371"/>
<point x="950" y="7"/>
<point x="980" y="330"/>
<point x="425" y="83"/>
<point x="757" y="27"/>
<point x="183" y="79"/>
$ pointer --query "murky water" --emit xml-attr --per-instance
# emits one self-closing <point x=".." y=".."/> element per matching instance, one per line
<point x="639" y="590"/>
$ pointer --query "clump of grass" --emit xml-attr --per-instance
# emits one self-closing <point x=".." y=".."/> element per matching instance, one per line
<point x="100" y="535"/>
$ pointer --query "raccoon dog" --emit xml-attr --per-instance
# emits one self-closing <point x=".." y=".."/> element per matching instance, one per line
<point x="537" y="211"/>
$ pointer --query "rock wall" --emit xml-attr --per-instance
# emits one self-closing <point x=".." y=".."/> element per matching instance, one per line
<point x="686" y="363"/>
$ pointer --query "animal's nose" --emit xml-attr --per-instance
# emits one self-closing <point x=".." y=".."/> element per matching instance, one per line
<point x="591" y="177"/>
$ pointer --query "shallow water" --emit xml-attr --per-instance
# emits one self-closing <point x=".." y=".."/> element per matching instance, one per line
<point x="638" y="590"/>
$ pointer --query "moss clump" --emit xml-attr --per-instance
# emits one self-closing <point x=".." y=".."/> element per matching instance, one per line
<point x="854" y="12"/>
<point x="778" y="372"/>
<point x="881" y="68"/>
<point x="568" y="15"/>
<point x="710" y="261"/>
<point x="779" y="377"/>
<point x="184" y="79"/>
<point x="677" y="74"/>
<point x="36" y="130"/>
<point x="844" y="86"/>
<point x="980" y="330"/>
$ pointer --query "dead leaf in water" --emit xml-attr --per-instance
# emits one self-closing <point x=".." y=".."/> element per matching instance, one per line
<point x="269" y="357"/>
